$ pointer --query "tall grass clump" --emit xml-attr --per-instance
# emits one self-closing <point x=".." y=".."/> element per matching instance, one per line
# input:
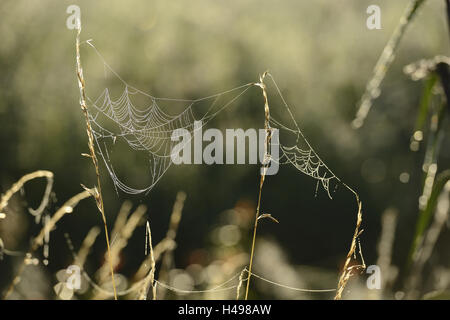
<point x="432" y="116"/>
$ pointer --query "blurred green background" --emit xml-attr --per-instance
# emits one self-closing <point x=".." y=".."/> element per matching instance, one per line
<point x="320" y="53"/>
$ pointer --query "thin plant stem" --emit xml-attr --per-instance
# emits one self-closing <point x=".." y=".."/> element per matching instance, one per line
<point x="98" y="190"/>
<point x="349" y="270"/>
<point x="253" y="244"/>
<point x="263" y="174"/>
<point x="149" y="280"/>
<point x="20" y="183"/>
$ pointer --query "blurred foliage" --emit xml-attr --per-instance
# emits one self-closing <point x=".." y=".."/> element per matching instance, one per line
<point x="321" y="54"/>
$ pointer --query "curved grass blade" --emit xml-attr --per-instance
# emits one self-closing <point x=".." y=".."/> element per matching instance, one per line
<point x="384" y="62"/>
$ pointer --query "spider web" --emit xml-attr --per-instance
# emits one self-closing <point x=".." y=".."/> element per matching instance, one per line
<point x="299" y="153"/>
<point x="149" y="130"/>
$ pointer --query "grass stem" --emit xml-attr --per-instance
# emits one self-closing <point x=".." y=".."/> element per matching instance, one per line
<point x="263" y="174"/>
<point x="98" y="189"/>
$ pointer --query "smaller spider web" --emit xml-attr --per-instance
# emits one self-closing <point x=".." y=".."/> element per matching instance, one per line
<point x="296" y="150"/>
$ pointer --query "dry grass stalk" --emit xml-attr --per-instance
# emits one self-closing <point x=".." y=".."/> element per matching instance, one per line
<point x="158" y="251"/>
<point x="121" y="218"/>
<point x="175" y="217"/>
<point x="120" y="241"/>
<point x="87" y="244"/>
<point x="98" y="194"/>
<point x="48" y="227"/>
<point x="149" y="280"/>
<point x="263" y="173"/>
<point x="241" y="281"/>
<point x="124" y="227"/>
<point x="168" y="244"/>
<point x="167" y="255"/>
<point x="348" y="270"/>
<point x="20" y="183"/>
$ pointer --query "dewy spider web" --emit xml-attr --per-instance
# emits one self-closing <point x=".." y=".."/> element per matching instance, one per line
<point x="150" y="130"/>
<point x="301" y="155"/>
